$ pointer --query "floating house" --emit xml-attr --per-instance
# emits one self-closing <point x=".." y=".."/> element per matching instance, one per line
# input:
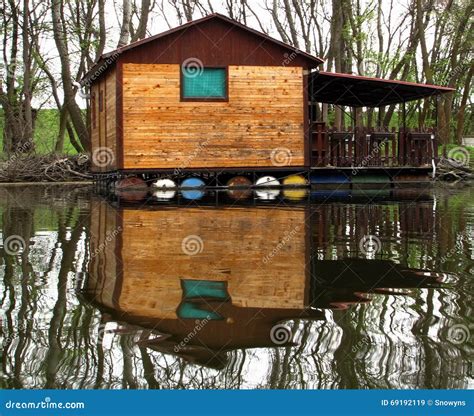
<point x="216" y="98"/>
<point x="163" y="269"/>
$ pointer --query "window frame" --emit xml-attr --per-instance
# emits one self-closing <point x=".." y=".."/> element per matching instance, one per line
<point x="205" y="99"/>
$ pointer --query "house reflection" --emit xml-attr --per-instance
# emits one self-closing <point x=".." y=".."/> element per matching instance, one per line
<point x="203" y="281"/>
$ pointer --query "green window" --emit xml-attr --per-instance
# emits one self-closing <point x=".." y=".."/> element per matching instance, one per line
<point x="204" y="83"/>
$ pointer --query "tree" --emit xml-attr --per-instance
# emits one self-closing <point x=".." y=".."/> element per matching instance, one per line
<point x="59" y="31"/>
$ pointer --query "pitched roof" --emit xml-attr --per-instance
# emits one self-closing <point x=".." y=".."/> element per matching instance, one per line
<point x="110" y="55"/>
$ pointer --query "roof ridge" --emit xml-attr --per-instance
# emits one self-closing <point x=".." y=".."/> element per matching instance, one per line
<point x="191" y="23"/>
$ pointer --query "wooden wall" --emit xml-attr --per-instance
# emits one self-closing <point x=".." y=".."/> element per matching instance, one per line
<point x="235" y="242"/>
<point x="104" y="127"/>
<point x="95" y="122"/>
<point x="264" y="112"/>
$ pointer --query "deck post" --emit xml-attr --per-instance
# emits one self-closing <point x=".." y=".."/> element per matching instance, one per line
<point x="435" y="130"/>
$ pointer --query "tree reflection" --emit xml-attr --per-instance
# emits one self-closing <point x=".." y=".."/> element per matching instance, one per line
<point x="53" y="337"/>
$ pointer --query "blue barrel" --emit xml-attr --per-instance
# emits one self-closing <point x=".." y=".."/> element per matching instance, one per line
<point x="192" y="194"/>
<point x="329" y="178"/>
<point x="191" y="183"/>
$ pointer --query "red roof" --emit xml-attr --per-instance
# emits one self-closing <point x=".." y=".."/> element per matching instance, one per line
<point x="315" y="61"/>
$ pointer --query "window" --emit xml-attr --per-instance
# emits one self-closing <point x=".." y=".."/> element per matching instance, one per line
<point x="94" y="115"/>
<point x="101" y="101"/>
<point x="203" y="84"/>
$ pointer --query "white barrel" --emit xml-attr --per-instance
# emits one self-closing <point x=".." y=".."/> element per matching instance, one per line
<point x="267" y="181"/>
<point x="267" y="194"/>
<point x="164" y="184"/>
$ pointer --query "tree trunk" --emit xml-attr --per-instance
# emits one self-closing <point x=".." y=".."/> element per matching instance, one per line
<point x="125" y="28"/>
<point x="462" y="106"/>
<point x="27" y="136"/>
<point x="69" y="96"/>
<point x="142" y="24"/>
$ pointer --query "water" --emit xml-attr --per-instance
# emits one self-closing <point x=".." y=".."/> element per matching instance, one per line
<point x="237" y="291"/>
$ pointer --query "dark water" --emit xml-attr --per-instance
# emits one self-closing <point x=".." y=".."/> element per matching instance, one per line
<point x="371" y="291"/>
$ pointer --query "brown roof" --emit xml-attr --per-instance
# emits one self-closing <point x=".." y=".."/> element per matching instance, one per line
<point x="359" y="91"/>
<point x="109" y="55"/>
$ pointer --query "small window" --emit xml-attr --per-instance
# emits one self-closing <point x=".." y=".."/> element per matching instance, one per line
<point x="204" y="84"/>
<point x="101" y="101"/>
<point x="93" y="108"/>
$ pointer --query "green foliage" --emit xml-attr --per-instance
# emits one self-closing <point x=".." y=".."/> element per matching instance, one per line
<point x="46" y="133"/>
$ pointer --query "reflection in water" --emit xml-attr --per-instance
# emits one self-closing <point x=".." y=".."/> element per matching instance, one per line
<point x="271" y="295"/>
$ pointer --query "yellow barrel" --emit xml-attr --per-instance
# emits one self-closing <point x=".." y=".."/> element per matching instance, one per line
<point x="295" y="180"/>
<point x="295" y="194"/>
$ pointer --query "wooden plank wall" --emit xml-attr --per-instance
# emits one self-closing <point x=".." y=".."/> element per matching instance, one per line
<point x="111" y="124"/>
<point x="264" y="112"/>
<point x="104" y="130"/>
<point x="235" y="242"/>
<point x="95" y="123"/>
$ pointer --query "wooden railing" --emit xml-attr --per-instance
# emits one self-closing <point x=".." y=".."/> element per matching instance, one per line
<point x="372" y="147"/>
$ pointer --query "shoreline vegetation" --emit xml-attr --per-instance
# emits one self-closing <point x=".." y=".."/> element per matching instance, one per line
<point x="53" y="168"/>
<point x="50" y="168"/>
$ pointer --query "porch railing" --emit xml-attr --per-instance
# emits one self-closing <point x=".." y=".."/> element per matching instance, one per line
<point x="372" y="147"/>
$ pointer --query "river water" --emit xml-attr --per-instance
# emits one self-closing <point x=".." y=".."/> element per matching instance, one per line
<point x="324" y="291"/>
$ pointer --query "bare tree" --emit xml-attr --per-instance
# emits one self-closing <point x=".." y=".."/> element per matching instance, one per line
<point x="125" y="27"/>
<point x="70" y="103"/>
<point x="17" y="92"/>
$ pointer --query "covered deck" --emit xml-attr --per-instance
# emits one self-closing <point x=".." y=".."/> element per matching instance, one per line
<point x="361" y="147"/>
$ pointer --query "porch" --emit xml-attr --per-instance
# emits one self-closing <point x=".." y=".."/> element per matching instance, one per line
<point x="358" y="146"/>
<point x="363" y="147"/>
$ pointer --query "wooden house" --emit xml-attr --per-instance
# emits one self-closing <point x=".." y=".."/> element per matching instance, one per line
<point x="215" y="96"/>
<point x="212" y="93"/>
